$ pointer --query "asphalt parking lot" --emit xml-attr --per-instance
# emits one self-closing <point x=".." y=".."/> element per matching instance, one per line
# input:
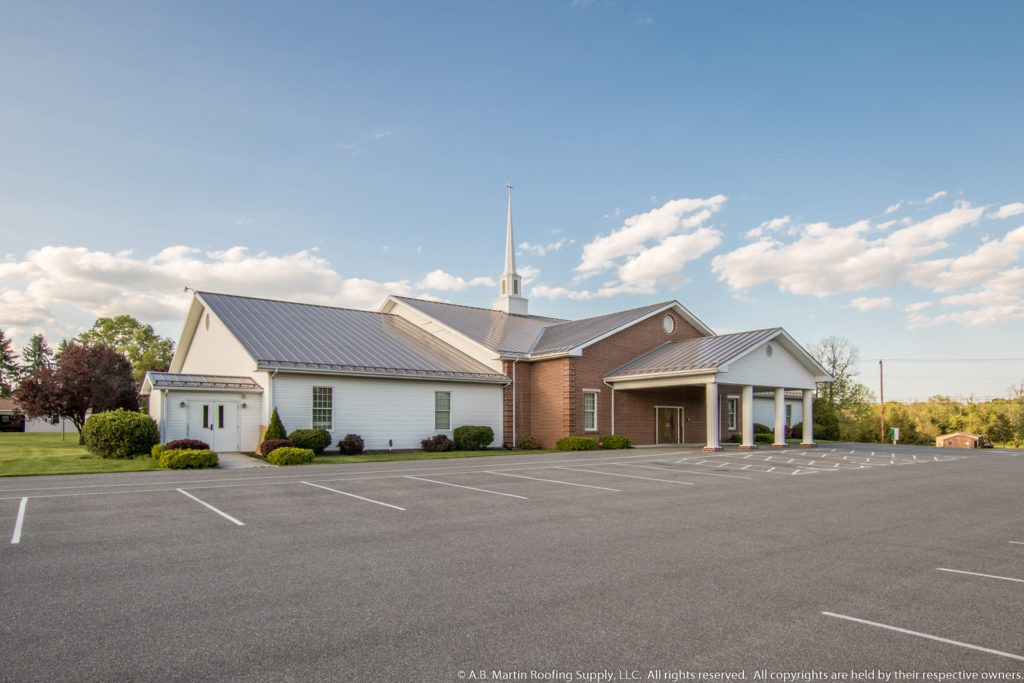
<point x="647" y="564"/>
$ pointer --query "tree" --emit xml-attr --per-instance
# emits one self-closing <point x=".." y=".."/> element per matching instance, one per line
<point x="144" y="348"/>
<point x="8" y="366"/>
<point x="87" y="378"/>
<point x="840" y="357"/>
<point x="36" y="354"/>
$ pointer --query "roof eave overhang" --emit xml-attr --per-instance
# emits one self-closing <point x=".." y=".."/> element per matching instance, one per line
<point x="482" y="379"/>
<point x="672" y="305"/>
<point x="664" y="379"/>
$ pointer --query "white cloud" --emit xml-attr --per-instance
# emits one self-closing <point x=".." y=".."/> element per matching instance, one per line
<point x="919" y="306"/>
<point x="652" y="248"/>
<point x="96" y="283"/>
<point x="482" y="281"/>
<point x="1007" y="210"/>
<point x="445" y="282"/>
<point x="938" y="195"/>
<point x="774" y="225"/>
<point x="541" y="250"/>
<point x="863" y="303"/>
<point x="894" y="208"/>
<point x="528" y="273"/>
<point x="545" y="292"/>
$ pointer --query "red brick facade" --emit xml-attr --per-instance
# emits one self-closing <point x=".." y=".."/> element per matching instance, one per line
<point x="549" y="393"/>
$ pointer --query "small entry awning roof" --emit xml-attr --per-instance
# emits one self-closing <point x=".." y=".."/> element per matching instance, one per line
<point x="171" y="380"/>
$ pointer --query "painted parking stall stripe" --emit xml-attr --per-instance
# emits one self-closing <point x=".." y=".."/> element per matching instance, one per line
<point x="986" y="576"/>
<point x="19" y="521"/>
<point x="672" y="469"/>
<point x="897" y="629"/>
<point x="554" y="481"/>
<point x="205" y="504"/>
<point x="471" y="488"/>
<point x="630" y="476"/>
<point x="352" y="495"/>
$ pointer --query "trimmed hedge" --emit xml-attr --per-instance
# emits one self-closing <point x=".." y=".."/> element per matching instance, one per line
<point x="614" y="442"/>
<point x="576" y="443"/>
<point x="315" y="440"/>
<point x="473" y="438"/>
<point x="762" y="429"/>
<point x="188" y="458"/>
<point x="272" y="445"/>
<point x="120" y="433"/>
<point x="527" y="442"/>
<point x="275" y="430"/>
<point x="352" y="444"/>
<point x="156" y="452"/>
<point x="290" y="456"/>
<point x="437" y="443"/>
<point x="186" y="444"/>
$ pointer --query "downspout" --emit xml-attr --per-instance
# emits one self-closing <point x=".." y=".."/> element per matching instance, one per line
<point x="163" y="417"/>
<point x="515" y="442"/>
<point x="613" y="403"/>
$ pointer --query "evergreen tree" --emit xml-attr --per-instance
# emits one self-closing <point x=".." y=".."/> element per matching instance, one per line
<point x="9" y="369"/>
<point x="275" y="430"/>
<point x="36" y="354"/>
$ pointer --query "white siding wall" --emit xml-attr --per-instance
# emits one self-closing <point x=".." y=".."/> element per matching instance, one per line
<point x="175" y="422"/>
<point x="215" y="351"/>
<point x="382" y="409"/>
<point x="43" y="425"/>
<point x="764" y="410"/>
<point x="780" y="369"/>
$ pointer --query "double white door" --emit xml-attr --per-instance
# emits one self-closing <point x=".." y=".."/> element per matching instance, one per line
<point x="215" y="422"/>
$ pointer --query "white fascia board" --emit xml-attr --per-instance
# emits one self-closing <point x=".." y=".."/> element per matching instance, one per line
<point x="673" y="306"/>
<point x="701" y="372"/>
<point x="656" y="381"/>
<point x="380" y="375"/>
<point x="188" y="331"/>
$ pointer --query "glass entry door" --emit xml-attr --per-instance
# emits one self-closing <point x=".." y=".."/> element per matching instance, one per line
<point x="668" y="425"/>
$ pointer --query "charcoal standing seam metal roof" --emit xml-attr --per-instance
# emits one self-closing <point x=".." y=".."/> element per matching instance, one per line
<point x="171" y="380"/>
<point x="526" y="334"/>
<point x="495" y="330"/>
<point x="304" y="337"/>
<point x="694" y="355"/>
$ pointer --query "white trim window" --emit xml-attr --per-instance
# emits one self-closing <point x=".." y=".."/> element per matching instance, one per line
<point x="789" y="415"/>
<point x="323" y="408"/>
<point x="590" y="411"/>
<point x="442" y="410"/>
<point x="733" y="406"/>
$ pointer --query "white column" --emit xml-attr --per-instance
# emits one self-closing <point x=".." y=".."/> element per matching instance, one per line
<point x="747" y="415"/>
<point x="808" y="439"/>
<point x="780" y="419"/>
<point x="711" y="408"/>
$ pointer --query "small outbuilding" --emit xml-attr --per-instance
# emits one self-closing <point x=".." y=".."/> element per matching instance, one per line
<point x="959" y="440"/>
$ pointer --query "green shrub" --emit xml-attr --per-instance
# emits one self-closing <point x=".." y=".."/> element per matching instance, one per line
<point x="352" y="444"/>
<point x="120" y="433"/>
<point x="275" y="430"/>
<point x="290" y="456"/>
<point x="614" y="441"/>
<point x="797" y="430"/>
<point x="764" y="438"/>
<point x="437" y="444"/>
<point x="186" y="444"/>
<point x="473" y="438"/>
<point x="576" y="443"/>
<point x="315" y="440"/>
<point x="272" y="445"/>
<point x="156" y="452"/>
<point x="762" y="429"/>
<point x="527" y="442"/>
<point x="736" y="438"/>
<point x="188" y="459"/>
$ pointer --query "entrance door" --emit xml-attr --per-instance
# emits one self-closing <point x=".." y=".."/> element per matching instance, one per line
<point x="216" y="423"/>
<point x="668" y="425"/>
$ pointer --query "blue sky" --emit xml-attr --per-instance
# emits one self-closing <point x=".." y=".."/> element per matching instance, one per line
<point x="849" y="169"/>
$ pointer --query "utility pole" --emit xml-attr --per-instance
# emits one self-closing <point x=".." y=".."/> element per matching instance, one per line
<point x="881" y="396"/>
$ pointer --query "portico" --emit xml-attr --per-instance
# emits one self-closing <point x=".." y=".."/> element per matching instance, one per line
<point x="729" y="368"/>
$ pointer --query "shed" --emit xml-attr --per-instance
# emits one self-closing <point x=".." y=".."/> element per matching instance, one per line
<point x="959" y="440"/>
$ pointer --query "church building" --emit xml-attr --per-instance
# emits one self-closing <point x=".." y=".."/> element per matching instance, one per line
<point x="414" y="368"/>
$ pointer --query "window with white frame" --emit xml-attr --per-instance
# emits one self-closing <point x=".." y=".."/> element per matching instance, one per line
<point x="442" y="410"/>
<point x="789" y="416"/>
<point x="590" y="411"/>
<point x="734" y="409"/>
<point x="323" y="408"/>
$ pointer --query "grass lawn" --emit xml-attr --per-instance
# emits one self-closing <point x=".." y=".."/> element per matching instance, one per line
<point x="28" y="454"/>
<point x="415" y="455"/>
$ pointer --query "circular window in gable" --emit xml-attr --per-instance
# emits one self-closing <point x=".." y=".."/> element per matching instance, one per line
<point x="669" y="323"/>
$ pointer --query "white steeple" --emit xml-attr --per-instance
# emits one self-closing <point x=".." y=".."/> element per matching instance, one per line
<point x="511" y="286"/>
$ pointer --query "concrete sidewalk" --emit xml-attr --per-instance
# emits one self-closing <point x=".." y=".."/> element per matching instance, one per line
<point x="237" y="461"/>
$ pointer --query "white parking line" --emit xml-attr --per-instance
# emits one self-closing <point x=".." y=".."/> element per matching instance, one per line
<point x="471" y="488"/>
<point x="16" y="536"/>
<point x="553" y="481"/>
<point x="669" y="469"/>
<point x="1017" y="542"/>
<point x="219" y="512"/>
<point x="987" y="576"/>
<point x="630" y="476"/>
<point x="368" y="500"/>
<point x="926" y="635"/>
